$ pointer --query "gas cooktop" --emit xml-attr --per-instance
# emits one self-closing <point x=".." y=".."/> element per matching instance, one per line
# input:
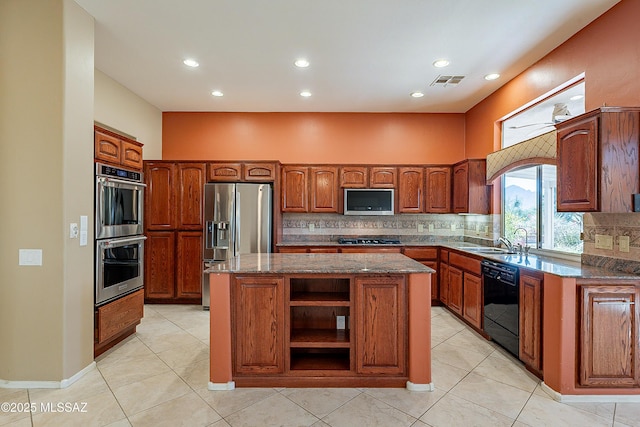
<point x="367" y="241"/>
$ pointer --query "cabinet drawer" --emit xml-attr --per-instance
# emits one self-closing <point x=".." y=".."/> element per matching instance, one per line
<point x="421" y="253"/>
<point x="119" y="315"/>
<point x="466" y="263"/>
<point x="369" y="250"/>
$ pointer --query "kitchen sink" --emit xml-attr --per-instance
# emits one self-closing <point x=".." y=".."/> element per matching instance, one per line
<point x="484" y="250"/>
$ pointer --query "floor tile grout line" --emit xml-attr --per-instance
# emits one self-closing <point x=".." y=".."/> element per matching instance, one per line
<point x="322" y="419"/>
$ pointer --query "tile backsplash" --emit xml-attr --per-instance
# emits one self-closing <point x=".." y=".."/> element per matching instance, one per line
<point x="615" y="225"/>
<point x="409" y="228"/>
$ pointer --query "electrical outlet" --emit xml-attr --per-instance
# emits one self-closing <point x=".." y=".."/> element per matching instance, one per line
<point x="604" y="241"/>
<point x="431" y="228"/>
<point x="623" y="243"/>
<point x="486" y="230"/>
<point x="453" y="227"/>
<point x="73" y="230"/>
<point x="312" y="226"/>
<point x="420" y="228"/>
<point x="340" y="322"/>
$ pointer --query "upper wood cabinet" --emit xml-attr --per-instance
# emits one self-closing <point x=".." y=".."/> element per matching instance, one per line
<point x="324" y="189"/>
<point x="190" y="189"/>
<point x="438" y="189"/>
<point x="410" y="190"/>
<point x="226" y="172"/>
<point x="238" y="172"/>
<point x="160" y="201"/>
<point x="382" y="177"/>
<point x="259" y="172"/>
<point x="597" y="161"/>
<point x="354" y="177"/>
<point x="295" y="188"/>
<point x="609" y="336"/>
<point x="115" y="149"/>
<point x="470" y="192"/>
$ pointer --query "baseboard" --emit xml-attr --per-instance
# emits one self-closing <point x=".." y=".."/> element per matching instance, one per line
<point x="48" y="384"/>
<point x="590" y="398"/>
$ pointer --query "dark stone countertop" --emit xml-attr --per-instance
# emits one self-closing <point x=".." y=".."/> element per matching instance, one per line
<point x="319" y="264"/>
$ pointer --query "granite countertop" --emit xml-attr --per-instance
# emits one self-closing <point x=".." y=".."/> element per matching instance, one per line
<point x="545" y="264"/>
<point x="319" y="264"/>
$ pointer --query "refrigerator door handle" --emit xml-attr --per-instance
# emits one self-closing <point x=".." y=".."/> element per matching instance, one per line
<point x="236" y="234"/>
<point x="210" y="239"/>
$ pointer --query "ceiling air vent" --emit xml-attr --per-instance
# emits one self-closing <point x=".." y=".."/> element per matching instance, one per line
<point x="445" y="81"/>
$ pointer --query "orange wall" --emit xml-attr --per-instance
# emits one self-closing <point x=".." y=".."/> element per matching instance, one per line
<point x="370" y="138"/>
<point x="606" y="51"/>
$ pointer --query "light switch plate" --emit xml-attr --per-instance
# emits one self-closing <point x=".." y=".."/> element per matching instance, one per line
<point x="604" y="241"/>
<point x="420" y="228"/>
<point x="30" y="257"/>
<point x="312" y="226"/>
<point x="431" y="227"/>
<point x="623" y="243"/>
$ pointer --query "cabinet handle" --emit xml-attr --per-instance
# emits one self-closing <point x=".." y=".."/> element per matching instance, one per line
<point x="615" y="302"/>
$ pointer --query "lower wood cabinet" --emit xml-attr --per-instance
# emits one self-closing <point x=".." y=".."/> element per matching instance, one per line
<point x="427" y="256"/>
<point x="609" y="336"/>
<point x="455" y="289"/>
<point x="173" y="266"/>
<point x="258" y="310"/>
<point x="381" y="325"/>
<point x="461" y="286"/>
<point x="116" y="320"/>
<point x="472" y="299"/>
<point x="443" y="277"/>
<point x="530" y="306"/>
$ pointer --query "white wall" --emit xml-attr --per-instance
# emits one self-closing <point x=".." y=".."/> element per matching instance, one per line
<point x="119" y="108"/>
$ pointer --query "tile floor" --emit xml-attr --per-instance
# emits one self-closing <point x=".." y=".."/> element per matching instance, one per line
<point x="159" y="376"/>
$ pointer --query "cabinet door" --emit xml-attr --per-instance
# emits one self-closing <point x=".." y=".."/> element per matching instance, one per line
<point x="455" y="290"/>
<point x="295" y="197"/>
<point x="324" y="189"/>
<point x="224" y="172"/>
<point x="190" y="189"/>
<point x="410" y="190"/>
<point x="259" y="325"/>
<point x="438" y="187"/>
<point x="472" y="299"/>
<point x="531" y="321"/>
<point x="609" y="336"/>
<point x="577" y="161"/>
<point x="461" y="188"/>
<point x="189" y="264"/>
<point x="443" y="278"/>
<point x="259" y="172"/>
<point x="160" y="200"/>
<point x="107" y="147"/>
<point x="159" y="263"/>
<point x="131" y="155"/>
<point x="381" y="325"/>
<point x="354" y="177"/>
<point x="434" y="278"/>
<point x="382" y="177"/>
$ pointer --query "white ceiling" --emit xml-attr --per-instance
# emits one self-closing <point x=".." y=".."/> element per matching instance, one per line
<point x="366" y="55"/>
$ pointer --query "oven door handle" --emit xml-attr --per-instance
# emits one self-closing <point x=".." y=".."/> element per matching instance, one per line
<point x="119" y="242"/>
<point x="123" y="182"/>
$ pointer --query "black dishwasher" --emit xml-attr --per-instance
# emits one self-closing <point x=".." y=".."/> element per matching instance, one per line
<point x="501" y="300"/>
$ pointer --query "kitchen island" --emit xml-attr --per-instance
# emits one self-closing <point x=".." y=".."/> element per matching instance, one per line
<point x="320" y="320"/>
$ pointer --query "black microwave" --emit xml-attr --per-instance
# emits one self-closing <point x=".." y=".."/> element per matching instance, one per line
<point x="368" y="201"/>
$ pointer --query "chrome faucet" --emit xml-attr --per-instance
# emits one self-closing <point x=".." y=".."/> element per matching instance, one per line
<point x="522" y="248"/>
<point x="507" y="243"/>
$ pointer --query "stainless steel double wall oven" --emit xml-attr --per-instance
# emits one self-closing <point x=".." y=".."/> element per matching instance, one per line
<point x="119" y="250"/>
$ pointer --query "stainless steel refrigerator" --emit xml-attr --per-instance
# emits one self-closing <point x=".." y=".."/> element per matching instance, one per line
<point x="238" y="220"/>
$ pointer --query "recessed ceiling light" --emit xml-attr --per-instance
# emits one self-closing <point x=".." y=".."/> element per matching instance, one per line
<point x="492" y="76"/>
<point x="301" y="63"/>
<point x="440" y="63"/>
<point x="190" y="63"/>
<point x="305" y="93"/>
<point x="576" y="97"/>
<point x="217" y="93"/>
<point x="417" y="94"/>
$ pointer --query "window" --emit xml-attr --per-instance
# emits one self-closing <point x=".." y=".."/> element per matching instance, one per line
<point x="529" y="215"/>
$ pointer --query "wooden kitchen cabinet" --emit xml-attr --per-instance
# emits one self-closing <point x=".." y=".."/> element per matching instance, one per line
<point x="472" y="299"/>
<point x="354" y="177"/>
<point x="609" y="336"/>
<point x="324" y="189"/>
<point x="454" y="299"/>
<point x="530" y="328"/>
<point x="383" y="177"/>
<point x="381" y="325"/>
<point x="189" y="266"/>
<point x="427" y="256"/>
<point x="295" y="188"/>
<point x="117" y="320"/>
<point x="258" y="337"/>
<point x="259" y="172"/>
<point x="159" y="265"/>
<point x="224" y="172"/>
<point x="116" y="149"/>
<point x="160" y="197"/>
<point x="191" y="178"/>
<point x="443" y="278"/>
<point x="438" y="189"/>
<point x="465" y="290"/>
<point x="410" y="190"/>
<point x="597" y="161"/>
<point x="470" y="192"/>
